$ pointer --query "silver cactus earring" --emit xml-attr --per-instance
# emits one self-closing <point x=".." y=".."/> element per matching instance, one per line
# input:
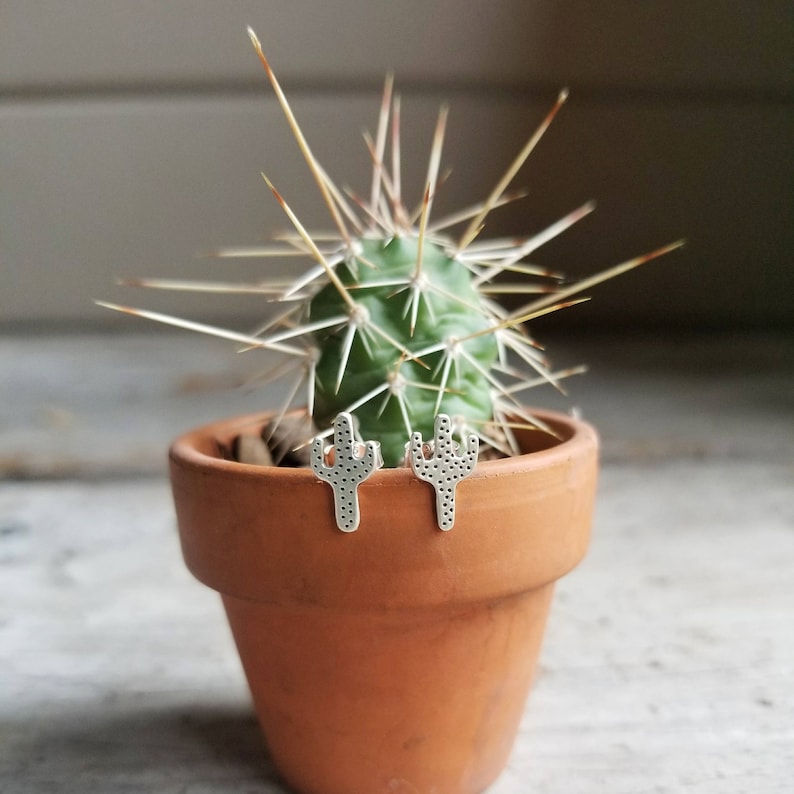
<point x="443" y="467"/>
<point x="344" y="466"/>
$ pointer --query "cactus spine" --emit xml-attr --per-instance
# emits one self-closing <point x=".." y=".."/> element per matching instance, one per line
<point x="396" y="321"/>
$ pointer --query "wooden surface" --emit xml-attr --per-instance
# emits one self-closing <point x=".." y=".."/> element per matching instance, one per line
<point x="668" y="660"/>
<point x="106" y="405"/>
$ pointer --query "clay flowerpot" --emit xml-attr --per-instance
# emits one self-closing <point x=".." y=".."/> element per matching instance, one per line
<point x="395" y="659"/>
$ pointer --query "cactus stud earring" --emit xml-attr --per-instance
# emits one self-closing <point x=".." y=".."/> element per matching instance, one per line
<point x="344" y="466"/>
<point x="444" y="468"/>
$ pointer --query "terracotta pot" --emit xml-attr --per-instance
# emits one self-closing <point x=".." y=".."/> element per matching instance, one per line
<point x="398" y="658"/>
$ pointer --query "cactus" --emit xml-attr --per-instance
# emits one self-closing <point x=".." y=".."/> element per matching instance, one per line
<point x="396" y="321"/>
<point x="444" y="468"/>
<point x="404" y="346"/>
<point x="350" y="464"/>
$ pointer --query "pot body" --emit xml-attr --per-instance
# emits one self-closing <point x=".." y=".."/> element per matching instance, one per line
<point x="396" y="659"/>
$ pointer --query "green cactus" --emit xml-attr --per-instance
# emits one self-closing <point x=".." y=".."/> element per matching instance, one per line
<point x="396" y="322"/>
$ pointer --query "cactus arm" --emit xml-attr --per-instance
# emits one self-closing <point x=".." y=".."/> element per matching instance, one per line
<point x="349" y="468"/>
<point x="445" y="468"/>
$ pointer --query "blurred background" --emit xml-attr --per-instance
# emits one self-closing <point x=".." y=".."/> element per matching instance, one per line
<point x="132" y="137"/>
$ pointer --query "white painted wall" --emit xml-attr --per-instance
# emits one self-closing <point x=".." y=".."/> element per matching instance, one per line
<point x="132" y="135"/>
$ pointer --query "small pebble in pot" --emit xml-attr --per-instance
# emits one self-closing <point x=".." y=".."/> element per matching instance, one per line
<point x="250" y="448"/>
<point x="288" y="440"/>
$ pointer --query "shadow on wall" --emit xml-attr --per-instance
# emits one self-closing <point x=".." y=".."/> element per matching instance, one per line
<point x="678" y="125"/>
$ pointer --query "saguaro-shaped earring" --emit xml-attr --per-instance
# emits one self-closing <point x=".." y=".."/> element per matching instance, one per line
<point x="344" y="466"/>
<point x="444" y="468"/>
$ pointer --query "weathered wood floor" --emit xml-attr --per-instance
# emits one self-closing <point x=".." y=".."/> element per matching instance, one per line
<point x="669" y="659"/>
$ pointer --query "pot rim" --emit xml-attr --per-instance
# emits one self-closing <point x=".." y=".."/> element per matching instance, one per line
<point x="202" y="446"/>
<point x="521" y="523"/>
